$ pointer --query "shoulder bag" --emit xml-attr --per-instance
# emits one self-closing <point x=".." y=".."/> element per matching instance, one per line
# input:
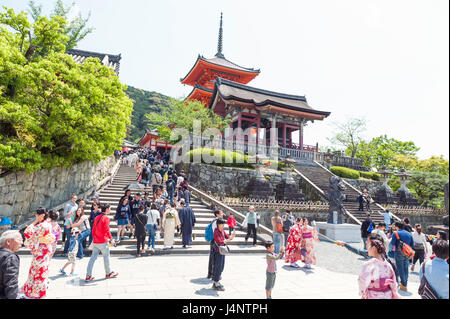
<point x="425" y="290"/>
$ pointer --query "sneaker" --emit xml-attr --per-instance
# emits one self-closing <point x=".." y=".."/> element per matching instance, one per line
<point x="219" y="287"/>
<point x="404" y="288"/>
<point x="89" y="278"/>
<point x="294" y="265"/>
<point x="62" y="272"/>
<point x="112" y="275"/>
<point x="73" y="274"/>
<point x="138" y="255"/>
<point x="143" y="251"/>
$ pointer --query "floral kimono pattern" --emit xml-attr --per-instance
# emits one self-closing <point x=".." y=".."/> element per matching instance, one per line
<point x="39" y="238"/>
<point x="139" y="172"/>
<point x="309" y="235"/>
<point x="294" y="239"/>
<point x="377" y="280"/>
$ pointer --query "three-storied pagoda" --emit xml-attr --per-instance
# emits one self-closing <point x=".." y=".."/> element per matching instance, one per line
<point x="221" y="85"/>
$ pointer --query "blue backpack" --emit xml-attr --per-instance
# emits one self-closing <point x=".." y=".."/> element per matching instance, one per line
<point x="209" y="235"/>
<point x="369" y="230"/>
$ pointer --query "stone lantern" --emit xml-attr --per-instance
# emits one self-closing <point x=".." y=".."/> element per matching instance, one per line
<point x="328" y="158"/>
<point x="384" y="193"/>
<point x="288" y="189"/>
<point x="403" y="191"/>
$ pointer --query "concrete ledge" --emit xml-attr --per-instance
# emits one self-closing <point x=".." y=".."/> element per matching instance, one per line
<point x="348" y="233"/>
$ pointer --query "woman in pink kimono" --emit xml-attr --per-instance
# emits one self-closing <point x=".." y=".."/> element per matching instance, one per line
<point x="377" y="279"/>
<point x="56" y="229"/>
<point x="292" y="252"/>
<point x="309" y="235"/>
<point x="39" y="238"/>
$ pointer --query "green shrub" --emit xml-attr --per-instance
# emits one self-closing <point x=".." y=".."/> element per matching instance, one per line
<point x="345" y="172"/>
<point x="222" y="157"/>
<point x="370" y="175"/>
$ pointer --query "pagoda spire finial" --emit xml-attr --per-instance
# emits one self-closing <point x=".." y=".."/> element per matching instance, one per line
<point x="219" y="53"/>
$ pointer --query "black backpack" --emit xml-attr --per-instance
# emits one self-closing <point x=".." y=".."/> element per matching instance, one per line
<point x="287" y="225"/>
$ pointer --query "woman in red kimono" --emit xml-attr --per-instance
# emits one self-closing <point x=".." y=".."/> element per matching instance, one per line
<point x="292" y="252"/>
<point x="39" y="238"/>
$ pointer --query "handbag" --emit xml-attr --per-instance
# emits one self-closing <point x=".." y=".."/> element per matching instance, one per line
<point x="425" y="290"/>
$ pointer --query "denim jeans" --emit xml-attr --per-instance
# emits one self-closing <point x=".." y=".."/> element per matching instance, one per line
<point x="277" y="241"/>
<point x="99" y="248"/>
<point x="151" y="235"/>
<point x="402" y="264"/>
<point x="85" y="234"/>
<point x="286" y="235"/>
<point x="67" y="242"/>
<point x="364" y="243"/>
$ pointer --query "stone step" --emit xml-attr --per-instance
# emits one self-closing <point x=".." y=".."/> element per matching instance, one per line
<point x="197" y="249"/>
<point x="178" y="241"/>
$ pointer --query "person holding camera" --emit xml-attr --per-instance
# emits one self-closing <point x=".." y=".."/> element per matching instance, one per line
<point x="220" y="239"/>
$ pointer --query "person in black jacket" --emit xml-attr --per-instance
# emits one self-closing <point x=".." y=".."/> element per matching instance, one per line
<point x="140" y="232"/>
<point x="365" y="229"/>
<point x="10" y="243"/>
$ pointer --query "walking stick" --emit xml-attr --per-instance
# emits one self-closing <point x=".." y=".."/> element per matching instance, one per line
<point x="337" y="242"/>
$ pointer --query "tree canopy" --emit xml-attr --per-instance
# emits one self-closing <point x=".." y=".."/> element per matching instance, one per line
<point x="182" y="114"/>
<point x="382" y="151"/>
<point x="53" y="111"/>
<point x="349" y="135"/>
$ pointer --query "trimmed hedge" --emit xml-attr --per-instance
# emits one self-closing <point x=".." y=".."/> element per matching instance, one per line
<point x="370" y="175"/>
<point x="346" y="172"/>
<point x="227" y="158"/>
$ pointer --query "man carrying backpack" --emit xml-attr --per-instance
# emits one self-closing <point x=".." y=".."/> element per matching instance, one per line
<point x="366" y="229"/>
<point x="400" y="238"/>
<point x="209" y="233"/>
<point x="170" y="187"/>
<point x="287" y="224"/>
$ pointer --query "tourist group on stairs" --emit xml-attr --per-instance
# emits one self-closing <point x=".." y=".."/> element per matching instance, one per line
<point x="392" y="248"/>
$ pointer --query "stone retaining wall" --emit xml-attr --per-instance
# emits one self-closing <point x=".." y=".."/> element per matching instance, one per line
<point x="22" y="193"/>
<point x="371" y="186"/>
<point x="232" y="182"/>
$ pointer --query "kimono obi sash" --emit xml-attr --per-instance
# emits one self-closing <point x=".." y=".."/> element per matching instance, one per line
<point x="307" y="235"/>
<point x="384" y="285"/>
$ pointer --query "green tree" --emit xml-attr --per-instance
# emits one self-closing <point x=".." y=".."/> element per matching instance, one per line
<point x="53" y="111"/>
<point x="76" y="29"/>
<point x="382" y="151"/>
<point x="349" y="134"/>
<point x="182" y="114"/>
<point x="428" y="187"/>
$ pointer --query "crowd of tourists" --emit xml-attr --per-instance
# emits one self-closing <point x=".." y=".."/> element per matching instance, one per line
<point x="164" y="212"/>
<point x="395" y="248"/>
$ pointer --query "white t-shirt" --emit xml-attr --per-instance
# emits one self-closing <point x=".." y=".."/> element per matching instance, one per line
<point x="153" y="216"/>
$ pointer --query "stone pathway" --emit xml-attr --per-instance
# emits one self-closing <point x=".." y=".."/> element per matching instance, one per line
<point x="183" y="277"/>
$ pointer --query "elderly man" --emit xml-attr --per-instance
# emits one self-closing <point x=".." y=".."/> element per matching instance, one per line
<point x="10" y="243"/>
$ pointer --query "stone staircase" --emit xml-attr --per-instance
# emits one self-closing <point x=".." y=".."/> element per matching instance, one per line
<point x="321" y="178"/>
<point x="203" y="214"/>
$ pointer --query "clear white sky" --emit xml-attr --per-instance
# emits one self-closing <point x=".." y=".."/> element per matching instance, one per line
<point x="385" y="60"/>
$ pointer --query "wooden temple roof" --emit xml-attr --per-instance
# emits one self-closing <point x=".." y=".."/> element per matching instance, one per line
<point x="219" y="64"/>
<point x="264" y="99"/>
<point x="112" y="61"/>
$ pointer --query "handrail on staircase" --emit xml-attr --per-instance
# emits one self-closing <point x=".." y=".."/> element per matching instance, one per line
<point x="324" y="195"/>
<point x="239" y="216"/>
<point x="82" y="195"/>
<point x="356" y="190"/>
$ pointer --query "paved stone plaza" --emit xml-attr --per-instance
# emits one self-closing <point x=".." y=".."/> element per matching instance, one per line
<point x="183" y="277"/>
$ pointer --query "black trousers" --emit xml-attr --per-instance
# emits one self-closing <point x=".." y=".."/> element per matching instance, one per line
<point x="419" y="256"/>
<point x="140" y="242"/>
<point x="230" y="230"/>
<point x="211" y="260"/>
<point x="219" y="264"/>
<point x="251" y="228"/>
<point x="361" y="206"/>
